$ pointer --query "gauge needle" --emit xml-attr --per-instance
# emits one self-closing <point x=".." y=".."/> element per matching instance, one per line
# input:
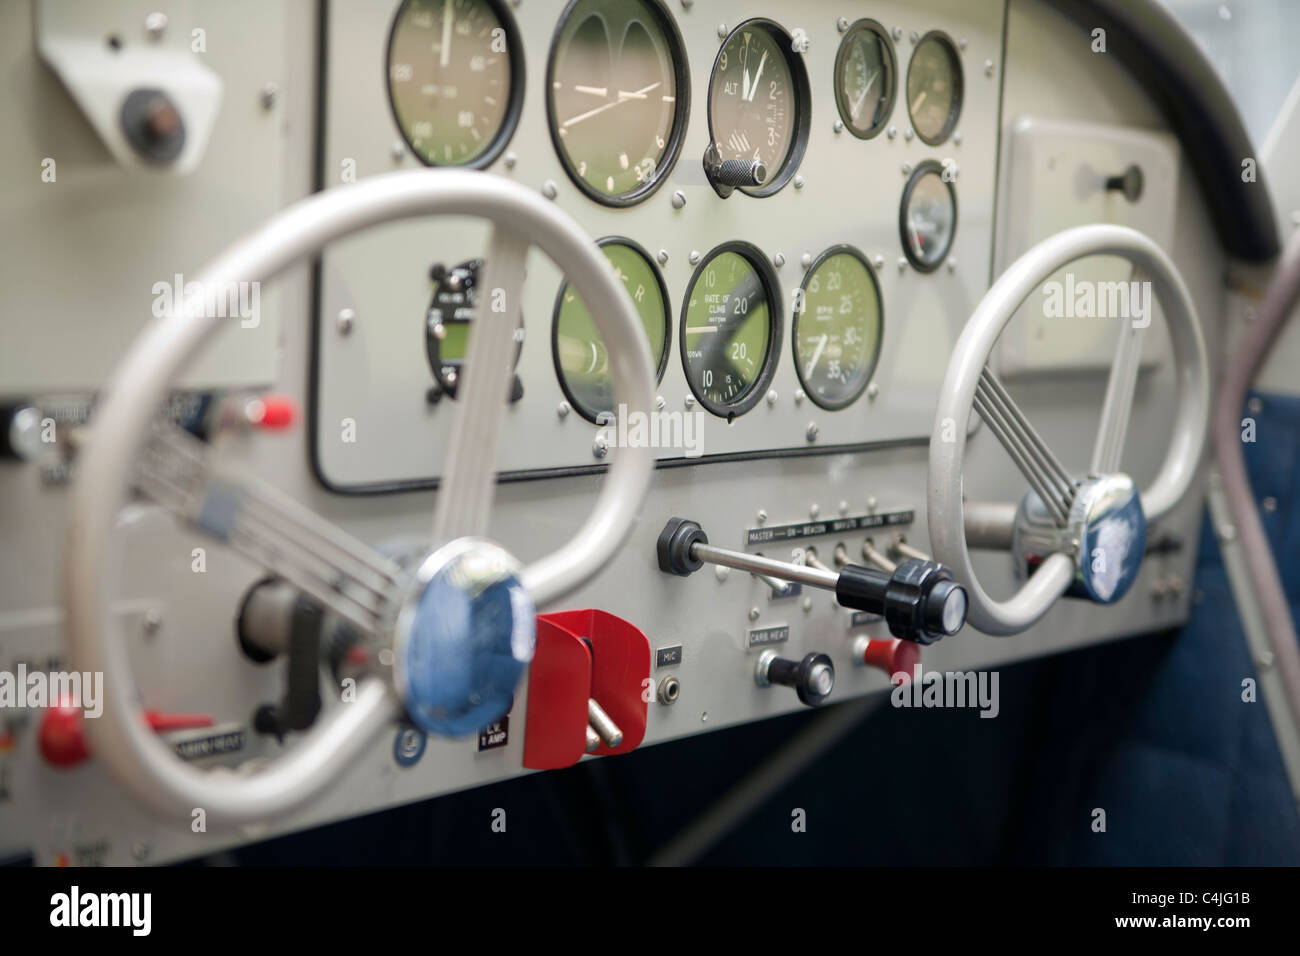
<point x="917" y="244"/>
<point x="916" y="103"/>
<point x="857" y="107"/>
<point x="623" y="97"/>
<point x="444" y="52"/>
<point x="761" y="60"/>
<point x="821" y="345"/>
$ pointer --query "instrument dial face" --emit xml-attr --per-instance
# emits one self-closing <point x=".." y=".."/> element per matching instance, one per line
<point x="758" y="97"/>
<point x="837" y="329"/>
<point x="455" y="79"/>
<point x="934" y="88"/>
<point x="730" y="329"/>
<point x="865" y="78"/>
<point x="617" y="97"/>
<point x="928" y="216"/>
<point x="581" y="359"/>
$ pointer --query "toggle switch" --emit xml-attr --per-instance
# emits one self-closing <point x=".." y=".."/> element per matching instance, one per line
<point x="902" y="550"/>
<point x="876" y="559"/>
<point x="812" y="678"/>
<point x="603" y="724"/>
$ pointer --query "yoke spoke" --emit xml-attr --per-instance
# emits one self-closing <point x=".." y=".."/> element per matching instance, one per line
<point x="1041" y="468"/>
<point x="1120" y="389"/>
<point x="465" y="497"/>
<point x="268" y="527"/>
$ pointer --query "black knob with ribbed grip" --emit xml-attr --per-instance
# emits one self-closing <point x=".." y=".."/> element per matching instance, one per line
<point x="919" y="601"/>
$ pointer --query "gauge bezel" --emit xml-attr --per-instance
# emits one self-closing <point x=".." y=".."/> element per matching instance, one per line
<point x="662" y="365"/>
<point x="867" y="25"/>
<point x="767" y="275"/>
<point x="676" y="134"/>
<point x="838" y="249"/>
<point x="922" y="168"/>
<point x="802" y="94"/>
<point x="959" y="88"/>
<point x="514" y="108"/>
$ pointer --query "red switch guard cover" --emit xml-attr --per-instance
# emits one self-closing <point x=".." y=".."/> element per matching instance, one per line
<point x="565" y="671"/>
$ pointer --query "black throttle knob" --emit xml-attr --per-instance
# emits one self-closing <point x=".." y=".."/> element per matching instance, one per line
<point x="919" y="601"/>
<point x="812" y="678"/>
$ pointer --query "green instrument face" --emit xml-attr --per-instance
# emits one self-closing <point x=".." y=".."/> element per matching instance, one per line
<point x="728" y="335"/>
<point x="581" y="360"/>
<point x="837" y="329"/>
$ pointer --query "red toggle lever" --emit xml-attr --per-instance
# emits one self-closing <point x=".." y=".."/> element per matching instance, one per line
<point x="891" y="655"/>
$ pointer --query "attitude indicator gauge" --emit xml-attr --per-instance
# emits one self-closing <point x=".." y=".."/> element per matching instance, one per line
<point x="758" y="107"/>
<point x="865" y="78"/>
<point x="927" y="217"/>
<point x="617" y="97"/>
<point x="731" y="329"/>
<point x="836" y="329"/>
<point x="455" y="79"/>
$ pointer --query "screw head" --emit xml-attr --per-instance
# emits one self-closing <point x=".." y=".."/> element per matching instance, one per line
<point x="878" y="261"/>
<point x="152" y="621"/>
<point x="270" y="93"/>
<point x="722" y="31"/>
<point x="898" y="34"/>
<point x="908" y="134"/>
<point x="778" y="260"/>
<point x="799" y="182"/>
<point x="844" y="507"/>
<point x="814" y="510"/>
<point x="344" y="321"/>
<point x="813" y="432"/>
<point x="679" y="199"/>
<point x="988" y="67"/>
<point x="838" y="126"/>
<point x="660" y="403"/>
<point x="914" y="36"/>
<point x="694" y="257"/>
<point x="511" y="158"/>
<point x="842" y="24"/>
<point x="956" y="139"/>
<point x="753" y="613"/>
<point x="549" y="189"/>
<point x="155" y="24"/>
<point x="805" y="260"/>
<point x="662" y="257"/>
<point x="762" y="516"/>
<point x="771" y="397"/>
<point x="892" y="132"/>
<point x="600" y="447"/>
<point x="873" y="390"/>
<point x="798" y="396"/>
<point x="690" y="401"/>
<point x="563" y="409"/>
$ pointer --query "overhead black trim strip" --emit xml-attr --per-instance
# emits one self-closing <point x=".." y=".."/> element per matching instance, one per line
<point x="1164" y="57"/>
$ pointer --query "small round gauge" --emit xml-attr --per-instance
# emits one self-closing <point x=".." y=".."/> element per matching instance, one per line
<point x="730" y="328"/>
<point x="759" y="102"/>
<point x="455" y="79"/>
<point x="581" y="361"/>
<point x="837" y="329"/>
<point x="617" y="97"/>
<point x="447" y="327"/>
<point x="934" y="88"/>
<point x="865" y="78"/>
<point x="927" y="218"/>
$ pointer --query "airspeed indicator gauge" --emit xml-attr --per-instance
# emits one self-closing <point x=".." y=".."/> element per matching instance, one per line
<point x="455" y="79"/>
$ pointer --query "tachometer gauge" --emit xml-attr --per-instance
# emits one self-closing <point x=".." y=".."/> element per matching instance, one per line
<point x="581" y="361"/>
<point x="455" y="79"/>
<point x="836" y="328"/>
<point x="865" y="78"/>
<point x="934" y="88"/>
<point x="758" y="102"/>
<point x="731" y="328"/>
<point x="927" y="217"/>
<point x="617" y="97"/>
